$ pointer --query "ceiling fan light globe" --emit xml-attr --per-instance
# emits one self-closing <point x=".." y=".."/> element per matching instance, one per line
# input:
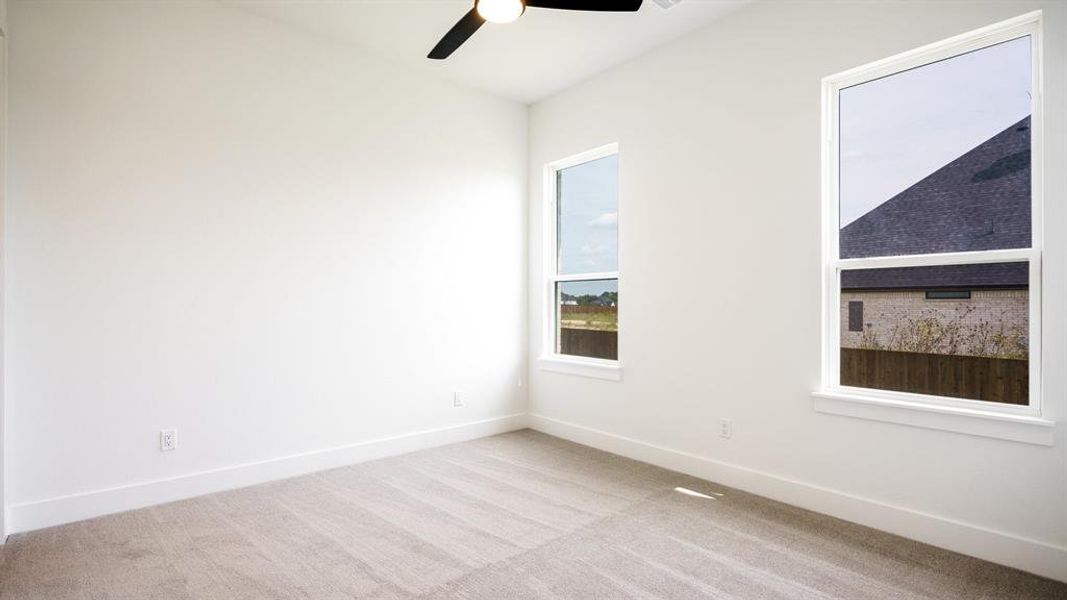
<point x="500" y="11"/>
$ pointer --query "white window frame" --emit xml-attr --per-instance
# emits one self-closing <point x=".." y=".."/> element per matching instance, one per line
<point x="990" y="419"/>
<point x="550" y="359"/>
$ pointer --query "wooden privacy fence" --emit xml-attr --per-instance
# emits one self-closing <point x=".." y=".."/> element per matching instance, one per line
<point x="973" y="377"/>
<point x="589" y="342"/>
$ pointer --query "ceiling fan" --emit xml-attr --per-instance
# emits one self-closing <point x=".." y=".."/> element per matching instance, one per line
<point x="506" y="11"/>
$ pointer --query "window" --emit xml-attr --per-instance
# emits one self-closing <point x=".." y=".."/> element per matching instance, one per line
<point x="932" y="170"/>
<point x="855" y="315"/>
<point x="582" y="265"/>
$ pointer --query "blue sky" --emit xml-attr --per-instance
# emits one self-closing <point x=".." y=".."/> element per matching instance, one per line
<point x="589" y="217"/>
<point x="897" y="130"/>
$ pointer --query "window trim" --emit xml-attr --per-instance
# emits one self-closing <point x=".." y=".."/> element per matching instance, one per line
<point x="550" y="360"/>
<point x="918" y="408"/>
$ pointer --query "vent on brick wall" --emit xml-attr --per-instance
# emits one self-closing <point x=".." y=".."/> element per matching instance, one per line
<point x="667" y="4"/>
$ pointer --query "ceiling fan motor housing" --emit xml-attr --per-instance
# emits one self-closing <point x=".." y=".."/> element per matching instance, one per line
<point x="500" y="11"/>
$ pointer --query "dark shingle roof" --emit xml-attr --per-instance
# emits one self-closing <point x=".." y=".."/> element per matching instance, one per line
<point x="999" y="275"/>
<point x="980" y="201"/>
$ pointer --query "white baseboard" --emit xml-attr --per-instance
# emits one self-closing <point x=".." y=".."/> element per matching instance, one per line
<point x="1029" y="555"/>
<point x="1026" y="554"/>
<point x="77" y="507"/>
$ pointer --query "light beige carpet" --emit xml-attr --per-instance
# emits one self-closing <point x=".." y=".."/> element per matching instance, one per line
<point x="521" y="515"/>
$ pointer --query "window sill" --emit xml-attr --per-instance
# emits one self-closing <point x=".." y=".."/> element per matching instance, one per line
<point x="583" y="367"/>
<point x="1028" y="429"/>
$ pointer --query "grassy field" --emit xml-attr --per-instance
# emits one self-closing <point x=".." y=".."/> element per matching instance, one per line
<point x="599" y="321"/>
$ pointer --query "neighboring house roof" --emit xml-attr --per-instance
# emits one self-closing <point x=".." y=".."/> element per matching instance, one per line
<point x="980" y="201"/>
<point x="1000" y="275"/>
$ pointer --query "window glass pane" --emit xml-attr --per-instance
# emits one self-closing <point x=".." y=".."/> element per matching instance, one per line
<point x="588" y="318"/>
<point x="960" y="331"/>
<point x="588" y="217"/>
<point x="937" y="158"/>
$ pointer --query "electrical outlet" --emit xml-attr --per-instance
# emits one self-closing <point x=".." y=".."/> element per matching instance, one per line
<point x="457" y="400"/>
<point x="168" y="440"/>
<point x="726" y="428"/>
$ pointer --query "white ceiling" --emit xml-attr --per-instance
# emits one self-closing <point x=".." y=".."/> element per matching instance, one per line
<point x="542" y="53"/>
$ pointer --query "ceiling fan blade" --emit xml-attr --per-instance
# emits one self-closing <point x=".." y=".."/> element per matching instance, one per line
<point x="457" y="35"/>
<point x="595" y="5"/>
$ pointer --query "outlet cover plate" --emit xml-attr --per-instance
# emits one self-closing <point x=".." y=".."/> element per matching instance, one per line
<point x="168" y="440"/>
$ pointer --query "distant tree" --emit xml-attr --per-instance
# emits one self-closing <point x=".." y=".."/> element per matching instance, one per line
<point x="604" y="299"/>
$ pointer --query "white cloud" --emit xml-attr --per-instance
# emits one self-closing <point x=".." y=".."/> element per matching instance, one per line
<point x="606" y="220"/>
<point x="589" y="249"/>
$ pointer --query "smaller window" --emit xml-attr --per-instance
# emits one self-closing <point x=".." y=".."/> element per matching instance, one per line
<point x="948" y="295"/>
<point x="583" y="269"/>
<point x="855" y="315"/>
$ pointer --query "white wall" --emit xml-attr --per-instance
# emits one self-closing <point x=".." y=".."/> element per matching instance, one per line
<point x="274" y="244"/>
<point x="720" y="206"/>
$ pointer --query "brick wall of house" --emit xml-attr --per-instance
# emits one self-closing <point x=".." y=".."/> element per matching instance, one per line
<point x="893" y="318"/>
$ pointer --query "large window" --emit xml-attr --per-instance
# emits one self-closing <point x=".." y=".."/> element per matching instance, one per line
<point x="933" y="250"/>
<point x="583" y="265"/>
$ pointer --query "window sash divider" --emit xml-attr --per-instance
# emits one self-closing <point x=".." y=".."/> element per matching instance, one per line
<point x="586" y="277"/>
<point x="934" y="260"/>
<point x="980" y="257"/>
